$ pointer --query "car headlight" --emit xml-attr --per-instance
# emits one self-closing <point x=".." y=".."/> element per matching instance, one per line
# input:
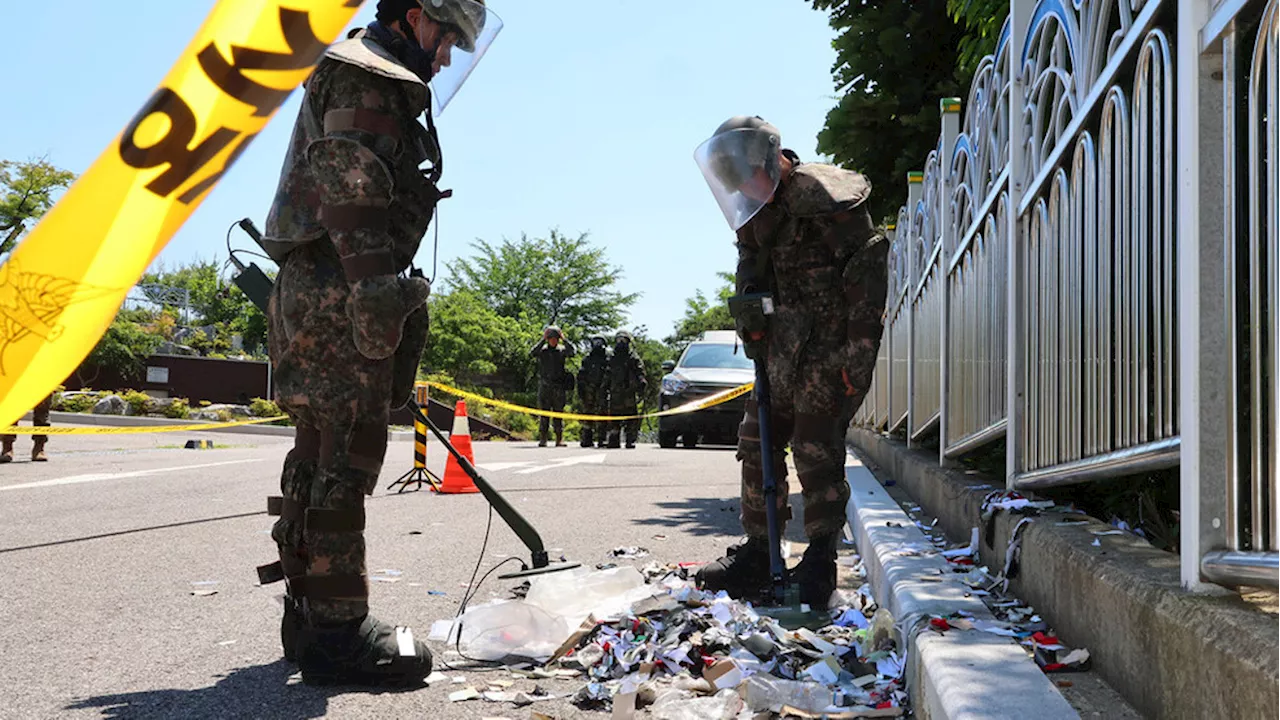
<point x="673" y="385"/>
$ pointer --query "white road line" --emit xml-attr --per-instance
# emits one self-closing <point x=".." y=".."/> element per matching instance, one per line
<point x="94" y="477"/>
<point x="580" y="460"/>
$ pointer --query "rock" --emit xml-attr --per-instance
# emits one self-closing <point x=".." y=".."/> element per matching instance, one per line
<point x="235" y="410"/>
<point x="110" y="405"/>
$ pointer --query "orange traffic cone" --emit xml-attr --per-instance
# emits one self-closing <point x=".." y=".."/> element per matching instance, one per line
<point x="456" y="480"/>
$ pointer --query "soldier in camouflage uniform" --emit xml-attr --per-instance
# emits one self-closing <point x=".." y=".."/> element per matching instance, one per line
<point x="805" y="237"/>
<point x="347" y="329"/>
<point x="553" y="380"/>
<point x="624" y="383"/>
<point x="39" y="418"/>
<point x="590" y="377"/>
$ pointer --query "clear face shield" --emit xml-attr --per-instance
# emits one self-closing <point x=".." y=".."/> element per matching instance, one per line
<point x="470" y="29"/>
<point x="743" y="171"/>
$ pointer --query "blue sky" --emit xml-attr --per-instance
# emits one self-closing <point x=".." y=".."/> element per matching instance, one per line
<point x="583" y="116"/>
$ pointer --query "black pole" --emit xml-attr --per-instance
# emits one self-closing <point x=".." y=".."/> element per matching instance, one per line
<point x="777" y="570"/>
<point x="521" y="527"/>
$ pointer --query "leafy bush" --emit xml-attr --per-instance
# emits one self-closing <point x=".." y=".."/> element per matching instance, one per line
<point x="224" y="415"/>
<point x="264" y="408"/>
<point x="139" y="402"/>
<point x="179" y="409"/>
<point x="76" y="403"/>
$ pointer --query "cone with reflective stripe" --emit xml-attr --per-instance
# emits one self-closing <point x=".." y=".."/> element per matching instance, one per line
<point x="456" y="480"/>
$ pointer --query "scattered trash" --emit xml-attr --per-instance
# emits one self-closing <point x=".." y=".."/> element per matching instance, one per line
<point x="1096" y="542"/>
<point x="659" y="537"/>
<point x="225" y="643"/>
<point x="204" y="593"/>
<point x="436" y="592"/>
<point x="1108" y="532"/>
<point x="468" y="693"/>
<point x="629" y="552"/>
<point x="647" y="639"/>
<point x="415" y="532"/>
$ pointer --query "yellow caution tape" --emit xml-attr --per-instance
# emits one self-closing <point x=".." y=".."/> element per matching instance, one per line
<point x="62" y="286"/>
<point x="710" y="401"/>
<point x="132" y="430"/>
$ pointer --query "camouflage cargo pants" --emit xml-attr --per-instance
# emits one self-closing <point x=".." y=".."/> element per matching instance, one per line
<point x="39" y="418"/>
<point x="810" y="414"/>
<point x="339" y="401"/>
<point x="624" y="404"/>
<point x="592" y="405"/>
<point x="550" y="397"/>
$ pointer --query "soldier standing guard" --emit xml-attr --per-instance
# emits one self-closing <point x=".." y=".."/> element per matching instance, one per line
<point x="347" y="327"/>
<point x="624" y="384"/>
<point x="806" y="238"/>
<point x="39" y="418"/>
<point x="590" y="376"/>
<point x="553" y="380"/>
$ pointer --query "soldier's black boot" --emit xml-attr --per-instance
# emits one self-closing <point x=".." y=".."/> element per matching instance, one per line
<point x="615" y="440"/>
<point x="743" y="572"/>
<point x="816" y="572"/>
<point x="586" y="438"/>
<point x="364" y="651"/>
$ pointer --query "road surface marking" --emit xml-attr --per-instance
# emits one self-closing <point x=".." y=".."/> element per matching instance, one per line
<point x="94" y="477"/>
<point x="580" y="460"/>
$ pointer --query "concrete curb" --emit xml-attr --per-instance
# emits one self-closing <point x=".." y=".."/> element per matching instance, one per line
<point x="1170" y="653"/>
<point x="956" y="674"/>
<point x="66" y="418"/>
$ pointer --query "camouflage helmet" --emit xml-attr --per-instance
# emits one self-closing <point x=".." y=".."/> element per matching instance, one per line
<point x="551" y="331"/>
<point x="465" y="16"/>
<point x="622" y="335"/>
<point x="594" y="337"/>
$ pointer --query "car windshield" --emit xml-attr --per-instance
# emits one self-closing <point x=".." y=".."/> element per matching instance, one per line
<point x="715" y="355"/>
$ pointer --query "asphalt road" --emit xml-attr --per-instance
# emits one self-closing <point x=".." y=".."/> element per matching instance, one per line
<point x="102" y="548"/>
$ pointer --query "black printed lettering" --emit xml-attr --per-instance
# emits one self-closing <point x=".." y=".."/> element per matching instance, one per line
<point x="174" y="148"/>
<point x="199" y="188"/>
<point x="304" y="49"/>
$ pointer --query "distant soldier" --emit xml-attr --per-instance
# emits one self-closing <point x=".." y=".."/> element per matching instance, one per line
<point x="625" y="384"/>
<point x="39" y="418"/>
<point x="590" y="377"/>
<point x="553" y="380"/>
<point x="805" y="238"/>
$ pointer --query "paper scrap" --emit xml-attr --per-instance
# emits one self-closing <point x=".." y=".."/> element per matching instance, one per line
<point x="464" y="694"/>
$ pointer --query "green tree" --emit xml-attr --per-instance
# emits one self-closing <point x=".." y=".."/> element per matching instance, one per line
<point x="468" y="339"/>
<point x="701" y="314"/>
<point x="894" y="61"/>
<point x="981" y="21"/>
<point x="27" y="192"/>
<point x="215" y="302"/>
<point x="124" y="347"/>
<point x="556" y="278"/>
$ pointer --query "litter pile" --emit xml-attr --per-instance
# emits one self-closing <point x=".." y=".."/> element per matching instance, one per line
<point x="650" y="639"/>
<point x="1013" y="618"/>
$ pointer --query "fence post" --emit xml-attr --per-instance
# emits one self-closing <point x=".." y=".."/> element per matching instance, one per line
<point x="950" y="108"/>
<point x="1205" y="234"/>
<point x="915" y="192"/>
<point x="1020" y="12"/>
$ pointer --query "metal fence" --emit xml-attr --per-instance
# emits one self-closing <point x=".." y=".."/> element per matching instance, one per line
<point x="1036" y="268"/>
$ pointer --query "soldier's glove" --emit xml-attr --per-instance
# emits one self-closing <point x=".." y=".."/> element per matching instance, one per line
<point x="750" y="313"/>
<point x="378" y="307"/>
<point x="408" y="356"/>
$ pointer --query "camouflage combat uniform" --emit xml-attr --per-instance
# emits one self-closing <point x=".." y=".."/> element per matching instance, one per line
<point x="827" y="269"/>
<point x="552" y="384"/>
<point x="624" y="384"/>
<point x="345" y="330"/>
<point x="590" y="377"/>
<point x="39" y="418"/>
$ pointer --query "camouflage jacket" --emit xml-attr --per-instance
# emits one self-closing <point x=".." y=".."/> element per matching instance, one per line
<point x="551" y="361"/>
<point x="593" y="369"/>
<point x="624" y="374"/>
<point x="815" y="248"/>
<point x="352" y="167"/>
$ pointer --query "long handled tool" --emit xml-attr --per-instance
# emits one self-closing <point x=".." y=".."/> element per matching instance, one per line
<point x="777" y="590"/>
<point x="541" y="564"/>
